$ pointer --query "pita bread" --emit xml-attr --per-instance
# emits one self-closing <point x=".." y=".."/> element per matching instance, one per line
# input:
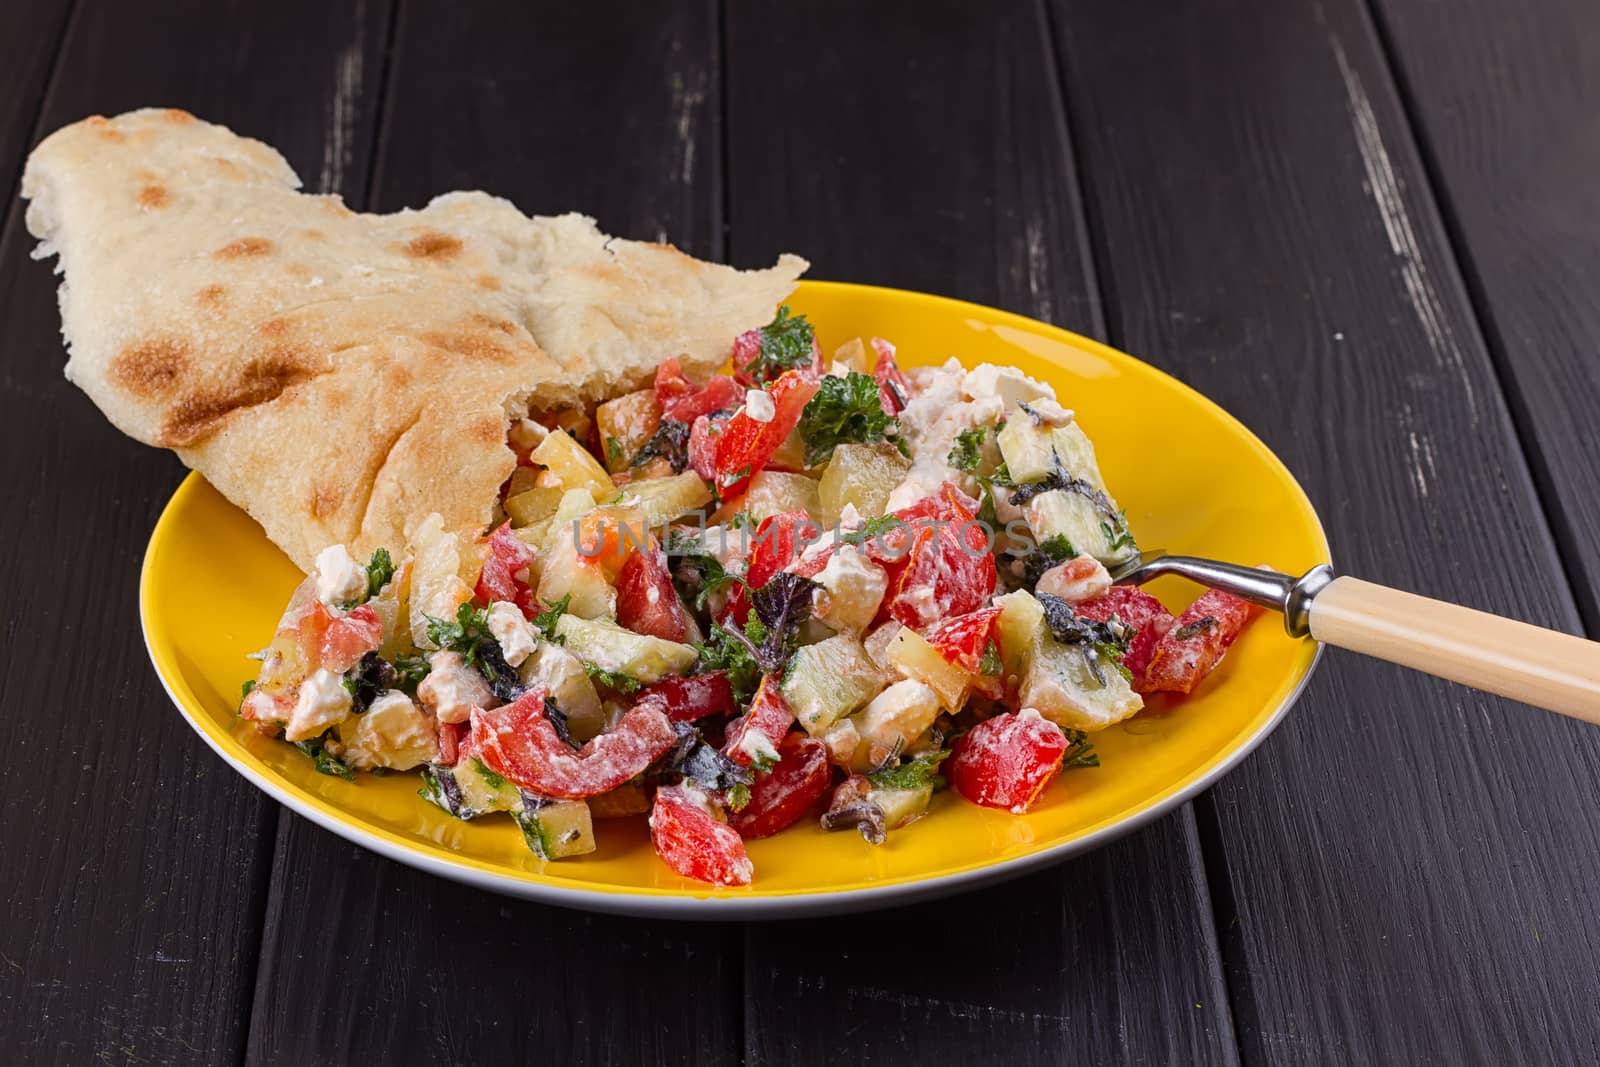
<point x="339" y="375"/>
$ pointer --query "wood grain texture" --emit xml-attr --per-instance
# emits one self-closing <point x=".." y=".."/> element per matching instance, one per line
<point x="923" y="145"/>
<point x="136" y="861"/>
<point x="30" y="42"/>
<point x="1409" y="866"/>
<point x="1506" y="98"/>
<point x="609" y="109"/>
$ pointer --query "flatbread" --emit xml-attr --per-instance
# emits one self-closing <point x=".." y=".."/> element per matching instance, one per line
<point x="341" y="375"/>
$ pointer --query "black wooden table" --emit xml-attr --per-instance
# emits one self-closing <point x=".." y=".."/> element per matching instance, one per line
<point x="1370" y="228"/>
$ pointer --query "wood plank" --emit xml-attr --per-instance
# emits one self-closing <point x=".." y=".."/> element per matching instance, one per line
<point x="922" y="145"/>
<point x="1409" y="865"/>
<point x="30" y="43"/>
<point x="1505" y="97"/>
<point x="136" y="862"/>
<point x="608" y="109"/>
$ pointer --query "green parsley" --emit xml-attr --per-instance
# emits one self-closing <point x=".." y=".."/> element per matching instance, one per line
<point x="546" y="619"/>
<point x="968" y="450"/>
<point x="409" y="673"/>
<point x="1080" y="753"/>
<point x="490" y="779"/>
<point x="786" y="342"/>
<point x="325" y="761"/>
<point x="722" y="652"/>
<point x="919" y="772"/>
<point x="244" y="692"/>
<point x="990" y="663"/>
<point x="1050" y="551"/>
<point x="1058" y="548"/>
<point x="738" y="796"/>
<point x="872" y="529"/>
<point x="469" y="635"/>
<point x="380" y="568"/>
<point x="622" y="683"/>
<point x="1118" y="536"/>
<point x="614" y="453"/>
<point x="844" y="410"/>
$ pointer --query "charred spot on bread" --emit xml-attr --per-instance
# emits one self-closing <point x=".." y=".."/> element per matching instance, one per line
<point x="480" y="337"/>
<point x="176" y="115"/>
<point x="489" y="282"/>
<point x="103" y="128"/>
<point x="210" y="296"/>
<point x="263" y="379"/>
<point x="151" y="367"/>
<point x="325" y="500"/>
<point x="154" y="196"/>
<point x="433" y="244"/>
<point x="243" y="247"/>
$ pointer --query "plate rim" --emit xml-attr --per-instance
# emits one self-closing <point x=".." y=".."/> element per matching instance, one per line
<point x="711" y="905"/>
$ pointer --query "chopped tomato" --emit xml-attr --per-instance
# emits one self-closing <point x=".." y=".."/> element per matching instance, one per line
<point x="505" y="572"/>
<point x="1196" y="644"/>
<point x="452" y="735"/>
<point x="939" y="563"/>
<point x="337" y="642"/>
<point x="703" y="435"/>
<point x="778" y="800"/>
<point x="519" y="742"/>
<point x="683" y="401"/>
<point x="746" y="445"/>
<point x="693" y="697"/>
<point x="893" y="387"/>
<point x="646" y="601"/>
<point x="763" y="727"/>
<point x="965" y="639"/>
<point x="606" y="541"/>
<point x="266" y="707"/>
<point x="1005" y="762"/>
<point x="778" y="540"/>
<point x="1148" y="616"/>
<point x="691" y="840"/>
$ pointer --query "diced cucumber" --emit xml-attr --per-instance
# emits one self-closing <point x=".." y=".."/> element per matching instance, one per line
<point x="901" y="806"/>
<point x="1027" y="449"/>
<point x="563" y="675"/>
<point x="555" y="829"/>
<point x="663" y="499"/>
<point x="1066" y="689"/>
<point x="469" y="789"/>
<point x="862" y="476"/>
<point x="1064" y="513"/>
<point x="829" y="680"/>
<point x="608" y="647"/>
<point x="1021" y="623"/>
<point x="1076" y="453"/>
<point x="540" y="533"/>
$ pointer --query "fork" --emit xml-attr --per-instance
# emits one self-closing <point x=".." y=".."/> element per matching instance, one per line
<point x="1545" y="668"/>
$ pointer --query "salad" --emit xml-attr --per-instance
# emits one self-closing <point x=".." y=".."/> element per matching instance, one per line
<point x="804" y="589"/>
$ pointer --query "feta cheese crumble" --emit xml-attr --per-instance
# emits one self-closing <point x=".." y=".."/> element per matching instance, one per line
<point x="393" y="733"/>
<point x="323" y="701"/>
<point x="512" y="629"/>
<point x="340" y="579"/>
<point x="759" y="406"/>
<point x="452" y="688"/>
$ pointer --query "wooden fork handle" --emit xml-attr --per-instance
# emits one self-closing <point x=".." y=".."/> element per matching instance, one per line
<point x="1545" y="668"/>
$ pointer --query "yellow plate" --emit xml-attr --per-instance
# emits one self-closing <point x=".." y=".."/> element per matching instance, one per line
<point x="1191" y="477"/>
